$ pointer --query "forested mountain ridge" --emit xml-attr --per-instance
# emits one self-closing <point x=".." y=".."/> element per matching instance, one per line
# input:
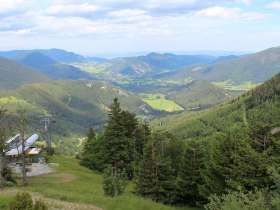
<point x="256" y="68"/>
<point x="13" y="75"/>
<point x="77" y="105"/>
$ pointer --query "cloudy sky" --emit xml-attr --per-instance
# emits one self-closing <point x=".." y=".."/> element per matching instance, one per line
<point x="97" y="27"/>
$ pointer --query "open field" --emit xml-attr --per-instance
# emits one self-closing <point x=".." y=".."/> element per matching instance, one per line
<point x="72" y="183"/>
<point x="158" y="101"/>
<point x="229" y="85"/>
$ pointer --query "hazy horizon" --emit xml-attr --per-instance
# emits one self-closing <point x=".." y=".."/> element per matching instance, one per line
<point x="96" y="27"/>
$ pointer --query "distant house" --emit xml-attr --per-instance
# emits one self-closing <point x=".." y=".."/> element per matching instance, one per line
<point x="35" y="155"/>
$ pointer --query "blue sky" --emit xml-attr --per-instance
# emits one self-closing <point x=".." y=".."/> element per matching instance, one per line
<point x="97" y="27"/>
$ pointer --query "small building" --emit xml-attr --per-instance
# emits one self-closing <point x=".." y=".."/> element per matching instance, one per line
<point x="35" y="155"/>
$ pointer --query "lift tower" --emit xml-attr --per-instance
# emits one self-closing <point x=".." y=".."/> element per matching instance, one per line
<point x="48" y="121"/>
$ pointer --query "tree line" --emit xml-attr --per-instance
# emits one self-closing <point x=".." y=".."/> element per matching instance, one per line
<point x="210" y="172"/>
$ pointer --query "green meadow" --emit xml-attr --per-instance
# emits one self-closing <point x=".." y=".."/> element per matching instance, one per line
<point x="158" y="101"/>
<point x="76" y="184"/>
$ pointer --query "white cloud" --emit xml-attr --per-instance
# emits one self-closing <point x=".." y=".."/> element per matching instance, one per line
<point x="231" y="14"/>
<point x="127" y="13"/>
<point x="246" y="2"/>
<point x="72" y="10"/>
<point x="274" y="5"/>
<point x="255" y="16"/>
<point x="220" y="12"/>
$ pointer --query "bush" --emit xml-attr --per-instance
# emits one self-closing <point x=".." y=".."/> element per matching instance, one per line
<point x="7" y="174"/>
<point x="238" y="200"/>
<point x="21" y="201"/>
<point x="40" y="205"/>
<point x="114" y="182"/>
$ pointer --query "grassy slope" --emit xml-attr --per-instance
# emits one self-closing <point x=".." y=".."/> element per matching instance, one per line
<point x="74" y="183"/>
<point x="158" y="101"/>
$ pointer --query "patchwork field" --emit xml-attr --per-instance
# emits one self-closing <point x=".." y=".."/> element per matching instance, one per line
<point x="158" y="101"/>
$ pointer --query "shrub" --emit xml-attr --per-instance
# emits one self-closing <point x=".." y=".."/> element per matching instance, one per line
<point x="40" y="205"/>
<point x="7" y="174"/>
<point x="114" y="182"/>
<point x="21" y="201"/>
<point x="238" y="200"/>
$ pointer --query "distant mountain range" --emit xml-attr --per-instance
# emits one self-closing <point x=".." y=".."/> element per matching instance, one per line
<point x="256" y="68"/>
<point x="51" y="67"/>
<point x="155" y="63"/>
<point x="58" y="55"/>
<point x="13" y="75"/>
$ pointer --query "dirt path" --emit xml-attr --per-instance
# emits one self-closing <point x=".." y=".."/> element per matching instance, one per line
<point x="34" y="169"/>
<point x="52" y="203"/>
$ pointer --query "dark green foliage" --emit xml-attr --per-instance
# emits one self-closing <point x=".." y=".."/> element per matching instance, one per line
<point x="7" y="174"/>
<point x="114" y="181"/>
<point x="88" y="150"/>
<point x="155" y="179"/>
<point x="120" y="145"/>
<point x="270" y="90"/>
<point x="21" y="201"/>
<point x="118" y="138"/>
<point x="189" y="178"/>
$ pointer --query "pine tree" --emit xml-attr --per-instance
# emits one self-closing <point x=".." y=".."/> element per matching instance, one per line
<point x="189" y="175"/>
<point x="155" y="178"/>
<point x="87" y="153"/>
<point x="118" y="138"/>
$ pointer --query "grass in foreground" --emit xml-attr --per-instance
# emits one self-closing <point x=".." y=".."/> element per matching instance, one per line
<point x="74" y="183"/>
<point x="158" y="101"/>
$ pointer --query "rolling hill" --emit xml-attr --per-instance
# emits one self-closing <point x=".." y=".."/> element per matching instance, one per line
<point x="198" y="94"/>
<point x="256" y="68"/>
<point x="77" y="105"/>
<point x="50" y="67"/>
<point x="259" y="106"/>
<point x="155" y="63"/>
<point x="13" y="75"/>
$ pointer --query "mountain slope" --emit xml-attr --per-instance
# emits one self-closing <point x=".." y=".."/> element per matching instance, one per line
<point x="50" y="67"/>
<point x="77" y="105"/>
<point x="259" y="106"/>
<point x="256" y="68"/>
<point x="198" y="94"/>
<point x="155" y="63"/>
<point x="13" y="75"/>
<point x="34" y="60"/>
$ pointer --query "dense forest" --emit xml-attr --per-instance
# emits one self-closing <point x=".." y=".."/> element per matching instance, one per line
<point x="226" y="158"/>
